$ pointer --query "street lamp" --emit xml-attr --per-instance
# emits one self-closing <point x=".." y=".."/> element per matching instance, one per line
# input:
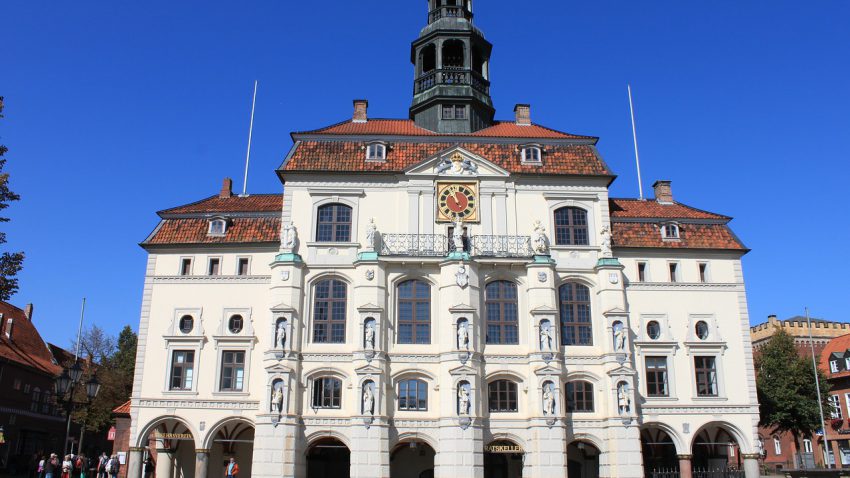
<point x="66" y="383"/>
<point x="92" y="387"/>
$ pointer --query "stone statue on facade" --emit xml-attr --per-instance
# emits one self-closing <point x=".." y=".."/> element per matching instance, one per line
<point x="463" y="400"/>
<point x="620" y="334"/>
<point x="371" y="230"/>
<point x="462" y="276"/>
<point x="606" y="241"/>
<point x="280" y="335"/>
<point x="538" y="239"/>
<point x="624" y="401"/>
<point x="462" y="336"/>
<point x="548" y="400"/>
<point x="369" y="336"/>
<point x="457" y="234"/>
<point x="368" y="399"/>
<point x="289" y="236"/>
<point x="277" y="398"/>
<point x="545" y="337"/>
<point x="457" y="165"/>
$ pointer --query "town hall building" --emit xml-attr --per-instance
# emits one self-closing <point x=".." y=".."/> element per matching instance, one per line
<point x="445" y="295"/>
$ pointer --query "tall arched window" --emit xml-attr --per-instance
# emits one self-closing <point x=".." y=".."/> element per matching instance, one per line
<point x="334" y="223"/>
<point x="576" y="326"/>
<point x="502" y="396"/>
<point x="500" y="302"/>
<point x="414" y="312"/>
<point x="570" y="227"/>
<point x="412" y="395"/>
<point x="579" y="397"/>
<point x="329" y="312"/>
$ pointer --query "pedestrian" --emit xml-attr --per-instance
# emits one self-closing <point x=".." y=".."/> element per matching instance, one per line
<point x="81" y="465"/>
<point x="148" y="464"/>
<point x="232" y="469"/>
<point x="113" y="466"/>
<point x="40" y="470"/>
<point x="50" y="466"/>
<point x="101" y="465"/>
<point x="67" y="466"/>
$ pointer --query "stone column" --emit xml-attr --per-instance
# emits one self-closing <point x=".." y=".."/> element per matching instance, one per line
<point x="164" y="462"/>
<point x="202" y="460"/>
<point x="751" y="465"/>
<point x="134" y="463"/>
<point x="685" y="466"/>
<point x="370" y="453"/>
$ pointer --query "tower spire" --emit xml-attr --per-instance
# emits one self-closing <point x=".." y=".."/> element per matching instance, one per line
<point x="451" y="89"/>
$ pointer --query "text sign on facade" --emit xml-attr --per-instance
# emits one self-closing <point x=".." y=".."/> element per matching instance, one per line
<point x="110" y="435"/>
<point x="173" y="436"/>
<point x="503" y="449"/>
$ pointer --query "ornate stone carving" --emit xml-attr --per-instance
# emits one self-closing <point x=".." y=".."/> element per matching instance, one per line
<point x="462" y="276"/>
<point x="538" y="238"/>
<point x="548" y="399"/>
<point x="542" y="277"/>
<point x="368" y="398"/>
<point x="620" y="336"/>
<point x="546" y="338"/>
<point x="371" y="229"/>
<point x="277" y="397"/>
<point x="369" y="335"/>
<point x="463" y="335"/>
<point x="457" y="234"/>
<point x="624" y="400"/>
<point x="606" y="241"/>
<point x="463" y="399"/>
<point x="289" y="237"/>
<point x="280" y="335"/>
<point x="456" y="165"/>
<point x="370" y="274"/>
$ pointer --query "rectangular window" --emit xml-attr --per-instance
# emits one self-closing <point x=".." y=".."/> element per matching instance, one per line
<point x="327" y="393"/>
<point x="186" y="266"/>
<point x="579" y="397"/>
<point x="502" y="396"/>
<point x="833" y="366"/>
<point x="703" y="272"/>
<point x="214" y="268"/>
<point x="656" y="377"/>
<point x="232" y="370"/>
<point x="454" y="112"/>
<point x="413" y="395"/>
<point x="182" y="369"/>
<point x="835" y="401"/>
<point x="641" y="268"/>
<point x="777" y="446"/>
<point x="807" y="445"/>
<point x="674" y="272"/>
<point x="847" y="402"/>
<point x="706" y="376"/>
<point x="242" y="266"/>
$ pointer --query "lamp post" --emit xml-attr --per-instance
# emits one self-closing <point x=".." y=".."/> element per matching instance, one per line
<point x="66" y="383"/>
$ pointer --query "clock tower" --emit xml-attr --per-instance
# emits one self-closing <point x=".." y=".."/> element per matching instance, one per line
<point x="451" y="89"/>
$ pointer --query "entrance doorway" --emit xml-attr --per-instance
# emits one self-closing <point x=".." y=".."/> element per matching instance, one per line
<point x="328" y="458"/>
<point x="659" y="452"/>
<point x="414" y="459"/>
<point x="582" y="460"/>
<point x="503" y="459"/>
<point x="234" y="439"/>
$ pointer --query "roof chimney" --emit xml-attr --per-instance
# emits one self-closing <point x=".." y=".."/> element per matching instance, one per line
<point x="523" y="114"/>
<point x="226" y="188"/>
<point x="663" y="192"/>
<point x="360" y="109"/>
<point x="28" y="312"/>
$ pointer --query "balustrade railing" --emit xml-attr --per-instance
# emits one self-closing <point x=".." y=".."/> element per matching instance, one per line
<point x="501" y="246"/>
<point x="428" y="245"/>
<point x="448" y="12"/>
<point x="450" y="76"/>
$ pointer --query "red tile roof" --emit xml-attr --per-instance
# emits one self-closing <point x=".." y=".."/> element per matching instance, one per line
<point x="692" y="236"/>
<point x="26" y="346"/>
<point x="636" y="208"/>
<point x="406" y="127"/>
<point x="194" y="231"/>
<point x="123" y="409"/>
<point x="215" y="204"/>
<point x="349" y="156"/>
<point x="839" y="345"/>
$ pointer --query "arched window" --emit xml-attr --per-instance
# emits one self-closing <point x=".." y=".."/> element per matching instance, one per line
<point x="412" y="395"/>
<point x="502" y="396"/>
<point x="376" y="151"/>
<point x="579" y="397"/>
<point x="570" y="227"/>
<point x="500" y="302"/>
<point x="36" y="399"/>
<point x="327" y="392"/>
<point x="329" y="312"/>
<point x="576" y="326"/>
<point x="334" y="223"/>
<point x="453" y="55"/>
<point x="414" y="312"/>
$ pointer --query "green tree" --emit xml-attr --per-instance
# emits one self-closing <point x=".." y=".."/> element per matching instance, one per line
<point x="786" y="389"/>
<point x="10" y="262"/>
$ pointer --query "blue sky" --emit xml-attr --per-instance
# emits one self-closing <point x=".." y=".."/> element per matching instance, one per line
<point x="115" y="110"/>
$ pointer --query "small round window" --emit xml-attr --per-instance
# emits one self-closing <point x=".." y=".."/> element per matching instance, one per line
<point x="235" y="324"/>
<point x="702" y="330"/>
<point x="186" y="324"/>
<point x="653" y="330"/>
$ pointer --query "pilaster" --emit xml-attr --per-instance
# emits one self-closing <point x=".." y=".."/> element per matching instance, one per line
<point x="461" y="451"/>
<point x="370" y="453"/>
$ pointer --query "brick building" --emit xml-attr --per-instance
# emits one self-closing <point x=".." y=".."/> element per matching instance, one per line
<point x="835" y="364"/>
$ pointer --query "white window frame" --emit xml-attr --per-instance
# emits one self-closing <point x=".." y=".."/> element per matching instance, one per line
<point x="670" y="234"/>
<point x="703" y="277"/>
<point x="214" y="221"/>
<point x="846" y="363"/>
<point x="379" y="153"/>
<point x="185" y="347"/>
<point x="675" y="275"/>
<point x="248" y="269"/>
<point x="833" y="366"/>
<point x="847" y="402"/>
<point x="209" y="266"/>
<point x="777" y="446"/>
<point x="529" y="158"/>
<point x="645" y="271"/>
<point x="191" y="260"/>
<point x="836" y="412"/>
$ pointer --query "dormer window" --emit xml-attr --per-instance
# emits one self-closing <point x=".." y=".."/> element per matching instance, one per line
<point x="376" y="152"/>
<point x="670" y="231"/>
<point x="847" y="364"/>
<point x="218" y="226"/>
<point x="531" y="154"/>
<point x="833" y="366"/>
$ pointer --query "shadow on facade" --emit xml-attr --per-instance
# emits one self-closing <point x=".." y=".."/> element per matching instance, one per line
<point x="328" y="458"/>
<point x="413" y="459"/>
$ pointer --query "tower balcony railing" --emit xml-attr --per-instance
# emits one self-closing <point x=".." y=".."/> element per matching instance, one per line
<point x="451" y="76"/>
<point x="448" y="12"/>
<point x="438" y="245"/>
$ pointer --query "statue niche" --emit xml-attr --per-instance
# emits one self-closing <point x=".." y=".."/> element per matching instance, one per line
<point x="547" y="336"/>
<point x="281" y="334"/>
<point x="369" y="333"/>
<point x="368" y="400"/>
<point x="463" y="334"/>
<point x="548" y="399"/>
<point x="276" y="399"/>
<point x="463" y="398"/>
<point x="620" y="335"/>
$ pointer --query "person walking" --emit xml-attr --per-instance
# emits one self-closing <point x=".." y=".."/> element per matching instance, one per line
<point x="232" y="469"/>
<point x="67" y="466"/>
<point x="101" y="465"/>
<point x="50" y="466"/>
<point x="113" y="466"/>
<point x="148" y="467"/>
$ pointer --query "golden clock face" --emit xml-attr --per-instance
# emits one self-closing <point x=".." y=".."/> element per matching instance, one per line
<point x="457" y="200"/>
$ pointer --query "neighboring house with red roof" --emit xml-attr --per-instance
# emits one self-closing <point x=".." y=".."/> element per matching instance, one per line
<point x="835" y="364"/>
<point x="31" y="420"/>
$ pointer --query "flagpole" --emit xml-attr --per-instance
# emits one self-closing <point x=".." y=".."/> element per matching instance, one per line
<point x="250" y="134"/>
<point x="634" y="135"/>
<point x="80" y="331"/>
<point x="817" y="385"/>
